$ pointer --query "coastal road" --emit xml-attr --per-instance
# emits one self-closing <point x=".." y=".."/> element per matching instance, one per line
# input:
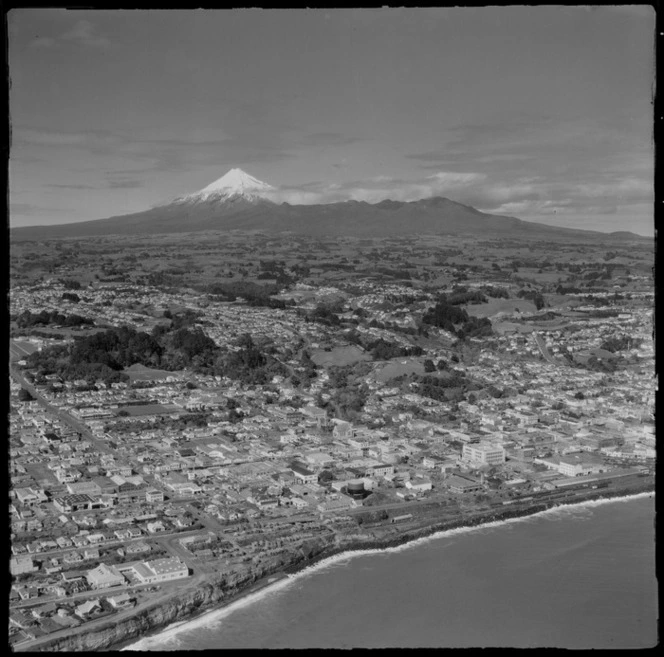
<point x="210" y="523"/>
<point x="121" y="542"/>
<point x="168" y="589"/>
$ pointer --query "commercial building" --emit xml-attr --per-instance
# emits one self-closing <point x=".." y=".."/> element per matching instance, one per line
<point x="303" y="475"/>
<point x="160" y="570"/>
<point x="152" y="495"/>
<point x="104" y="576"/>
<point x="575" y="465"/>
<point x="458" y="484"/>
<point x="483" y="454"/>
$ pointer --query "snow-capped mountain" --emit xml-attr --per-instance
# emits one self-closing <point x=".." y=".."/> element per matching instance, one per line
<point x="238" y="201"/>
<point x="233" y="186"/>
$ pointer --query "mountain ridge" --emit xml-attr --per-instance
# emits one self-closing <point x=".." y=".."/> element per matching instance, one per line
<point x="238" y="201"/>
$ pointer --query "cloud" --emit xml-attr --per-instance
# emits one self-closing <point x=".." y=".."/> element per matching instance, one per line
<point x="452" y="179"/>
<point x="125" y="184"/>
<point x="528" y="197"/>
<point x="43" y="42"/>
<point x="75" y="186"/>
<point x="31" y="209"/>
<point x="378" y="188"/>
<point x="83" y="33"/>
<point x="327" y="139"/>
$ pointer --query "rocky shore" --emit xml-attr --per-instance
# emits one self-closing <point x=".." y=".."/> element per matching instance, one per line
<point x="218" y="591"/>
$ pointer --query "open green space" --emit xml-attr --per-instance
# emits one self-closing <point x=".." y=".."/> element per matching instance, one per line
<point x="150" y="409"/>
<point x="139" y="372"/>
<point x="495" y="306"/>
<point x="339" y="356"/>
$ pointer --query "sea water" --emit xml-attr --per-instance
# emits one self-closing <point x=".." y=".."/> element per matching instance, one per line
<point x="579" y="577"/>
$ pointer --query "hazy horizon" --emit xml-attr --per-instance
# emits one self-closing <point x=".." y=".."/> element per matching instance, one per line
<point x="542" y="113"/>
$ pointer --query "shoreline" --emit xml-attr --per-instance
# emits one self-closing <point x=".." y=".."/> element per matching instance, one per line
<point x="211" y="598"/>
<point x="243" y="598"/>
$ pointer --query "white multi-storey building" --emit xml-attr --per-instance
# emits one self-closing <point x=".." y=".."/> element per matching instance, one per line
<point x="483" y="453"/>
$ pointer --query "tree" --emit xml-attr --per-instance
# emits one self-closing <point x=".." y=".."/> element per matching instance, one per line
<point x="24" y="395"/>
<point x="429" y="366"/>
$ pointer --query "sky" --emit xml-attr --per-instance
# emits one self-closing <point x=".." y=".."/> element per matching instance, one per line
<point x="543" y="113"/>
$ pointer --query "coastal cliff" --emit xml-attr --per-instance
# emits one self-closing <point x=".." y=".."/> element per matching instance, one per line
<point x="219" y="591"/>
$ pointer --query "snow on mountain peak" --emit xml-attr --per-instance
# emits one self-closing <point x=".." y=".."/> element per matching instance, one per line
<point x="235" y="183"/>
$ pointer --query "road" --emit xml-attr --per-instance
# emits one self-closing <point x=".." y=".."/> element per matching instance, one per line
<point x="543" y="349"/>
<point x="167" y="589"/>
<point x="65" y="417"/>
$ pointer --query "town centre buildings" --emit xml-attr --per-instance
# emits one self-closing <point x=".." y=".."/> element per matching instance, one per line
<point x="142" y="572"/>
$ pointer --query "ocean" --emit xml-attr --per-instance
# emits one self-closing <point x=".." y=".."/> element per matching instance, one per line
<point x="576" y="577"/>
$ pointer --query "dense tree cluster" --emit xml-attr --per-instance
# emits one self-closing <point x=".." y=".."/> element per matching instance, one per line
<point x="327" y="313"/>
<point x="532" y="295"/>
<point x="568" y="289"/>
<point x="602" y="364"/>
<point x="249" y="364"/>
<point x="57" y="360"/>
<point x="26" y="319"/>
<point x="462" y="295"/>
<point x="495" y="292"/>
<point x="310" y="368"/>
<point x="105" y="354"/>
<point x="70" y="284"/>
<point x="253" y="293"/>
<point x="382" y="349"/>
<point x="621" y="343"/>
<point x="447" y="316"/>
<point x="24" y="395"/>
<point x="348" y="392"/>
<point x="117" y="348"/>
<point x="434" y="387"/>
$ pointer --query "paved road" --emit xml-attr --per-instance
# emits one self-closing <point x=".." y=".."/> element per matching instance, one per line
<point x="167" y="589"/>
<point x="118" y="543"/>
<point x="65" y="417"/>
<point x="543" y="349"/>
